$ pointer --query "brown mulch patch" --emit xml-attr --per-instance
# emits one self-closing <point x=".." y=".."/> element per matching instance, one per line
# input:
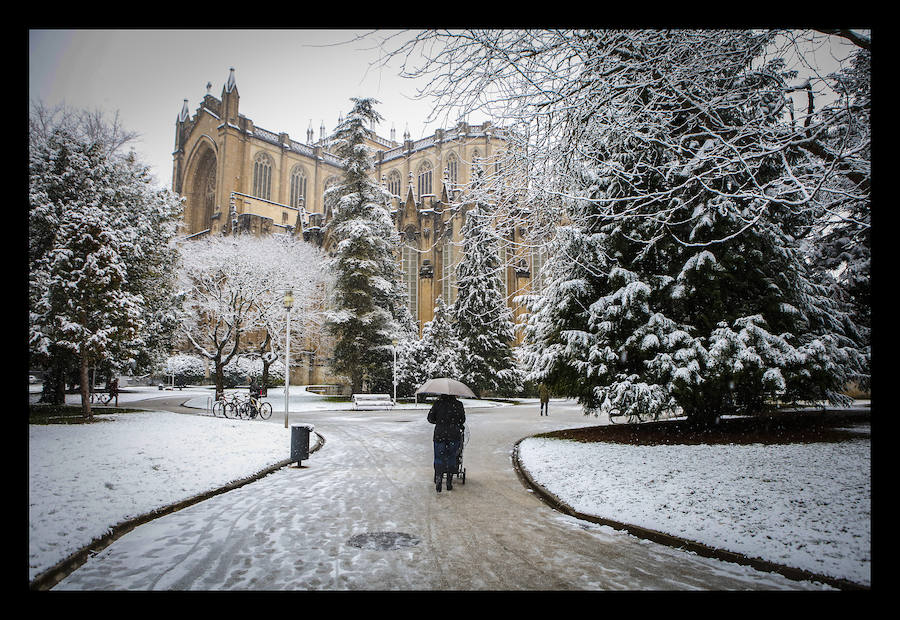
<point x="770" y="428"/>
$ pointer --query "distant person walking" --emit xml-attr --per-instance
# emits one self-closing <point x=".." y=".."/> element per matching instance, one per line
<point x="545" y="399"/>
<point x="449" y="417"/>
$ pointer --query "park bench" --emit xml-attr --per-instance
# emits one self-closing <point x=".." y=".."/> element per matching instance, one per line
<point x="369" y="402"/>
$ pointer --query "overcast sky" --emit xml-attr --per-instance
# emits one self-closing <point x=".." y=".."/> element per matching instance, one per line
<point x="287" y="79"/>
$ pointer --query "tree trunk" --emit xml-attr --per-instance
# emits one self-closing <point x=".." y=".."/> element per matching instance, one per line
<point x="265" y="370"/>
<point x="220" y="378"/>
<point x="85" y="388"/>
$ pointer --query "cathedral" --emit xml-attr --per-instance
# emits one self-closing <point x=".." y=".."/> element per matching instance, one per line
<point x="237" y="176"/>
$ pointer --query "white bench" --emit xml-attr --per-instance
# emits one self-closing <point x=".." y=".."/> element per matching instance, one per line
<point x="368" y="402"/>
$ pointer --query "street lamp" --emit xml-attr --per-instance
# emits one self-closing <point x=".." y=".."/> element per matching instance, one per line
<point x="394" y="341"/>
<point x="288" y="302"/>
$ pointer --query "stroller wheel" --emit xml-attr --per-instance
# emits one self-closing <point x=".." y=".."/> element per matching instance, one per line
<point x="462" y="477"/>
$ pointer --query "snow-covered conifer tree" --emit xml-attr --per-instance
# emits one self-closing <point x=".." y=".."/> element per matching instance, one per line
<point x="364" y="305"/>
<point x="483" y="320"/>
<point x="411" y="360"/>
<point x="708" y="305"/>
<point x="100" y="252"/>
<point x="840" y="244"/>
<point x="443" y="349"/>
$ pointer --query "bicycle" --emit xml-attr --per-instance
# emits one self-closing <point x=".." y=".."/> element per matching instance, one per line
<point x="226" y="406"/>
<point x="253" y="407"/>
<point x="102" y="398"/>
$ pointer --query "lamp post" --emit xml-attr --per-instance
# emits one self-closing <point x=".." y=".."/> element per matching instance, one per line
<point x="394" y="341"/>
<point x="288" y="302"/>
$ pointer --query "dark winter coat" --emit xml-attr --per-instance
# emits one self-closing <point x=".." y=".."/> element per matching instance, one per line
<point x="544" y="393"/>
<point x="448" y="416"/>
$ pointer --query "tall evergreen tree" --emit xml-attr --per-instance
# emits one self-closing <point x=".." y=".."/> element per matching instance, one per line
<point x="483" y="319"/>
<point x="675" y="288"/>
<point x="442" y="344"/>
<point x="99" y="241"/>
<point x="840" y="245"/>
<point x="366" y="295"/>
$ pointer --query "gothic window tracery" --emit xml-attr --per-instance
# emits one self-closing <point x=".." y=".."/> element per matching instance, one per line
<point x="209" y="192"/>
<point x="394" y="182"/>
<point x="453" y="169"/>
<point x="202" y="201"/>
<point x="298" y="187"/>
<point x="262" y="176"/>
<point x="448" y="272"/>
<point x="424" y="178"/>
<point x="329" y="182"/>
<point x="538" y="278"/>
<point x="409" y="256"/>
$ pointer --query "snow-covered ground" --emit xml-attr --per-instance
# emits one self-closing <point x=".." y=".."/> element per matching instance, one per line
<point x="200" y="398"/>
<point x="85" y="478"/>
<point x="802" y="505"/>
<point x="807" y="506"/>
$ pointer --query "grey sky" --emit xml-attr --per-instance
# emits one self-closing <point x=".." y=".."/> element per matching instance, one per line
<point x="287" y="79"/>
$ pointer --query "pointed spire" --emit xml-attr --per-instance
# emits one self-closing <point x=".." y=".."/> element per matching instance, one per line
<point x="185" y="112"/>
<point x="309" y="133"/>
<point x="393" y="134"/>
<point x="230" y="84"/>
<point x="322" y="131"/>
<point x="406" y="133"/>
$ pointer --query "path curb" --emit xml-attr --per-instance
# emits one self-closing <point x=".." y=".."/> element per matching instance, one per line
<point x="53" y="575"/>
<point x="700" y="549"/>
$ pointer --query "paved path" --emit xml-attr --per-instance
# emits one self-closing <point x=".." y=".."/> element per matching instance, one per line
<point x="299" y="528"/>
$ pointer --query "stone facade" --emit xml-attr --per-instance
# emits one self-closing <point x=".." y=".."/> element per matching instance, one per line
<point x="235" y="175"/>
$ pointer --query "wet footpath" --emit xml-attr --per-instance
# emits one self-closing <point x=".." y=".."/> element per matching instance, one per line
<point x="363" y="514"/>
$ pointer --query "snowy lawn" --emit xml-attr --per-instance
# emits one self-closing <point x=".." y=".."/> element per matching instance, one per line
<point x="803" y="505"/>
<point x="85" y="478"/>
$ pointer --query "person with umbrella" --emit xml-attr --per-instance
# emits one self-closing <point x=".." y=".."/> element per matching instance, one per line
<point x="449" y="417"/>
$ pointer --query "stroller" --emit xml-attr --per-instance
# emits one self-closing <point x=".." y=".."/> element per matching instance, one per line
<point x="460" y="472"/>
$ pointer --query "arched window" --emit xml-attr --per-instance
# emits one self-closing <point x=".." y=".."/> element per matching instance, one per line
<point x="409" y="256"/>
<point x="538" y="277"/>
<point x="298" y="187"/>
<point x="330" y="181"/>
<point x="453" y="169"/>
<point x="477" y="164"/>
<point x="505" y="255"/>
<point x="424" y="178"/>
<point x="209" y="189"/>
<point x="202" y="199"/>
<point x="448" y="272"/>
<point x="394" y="182"/>
<point x="262" y="176"/>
